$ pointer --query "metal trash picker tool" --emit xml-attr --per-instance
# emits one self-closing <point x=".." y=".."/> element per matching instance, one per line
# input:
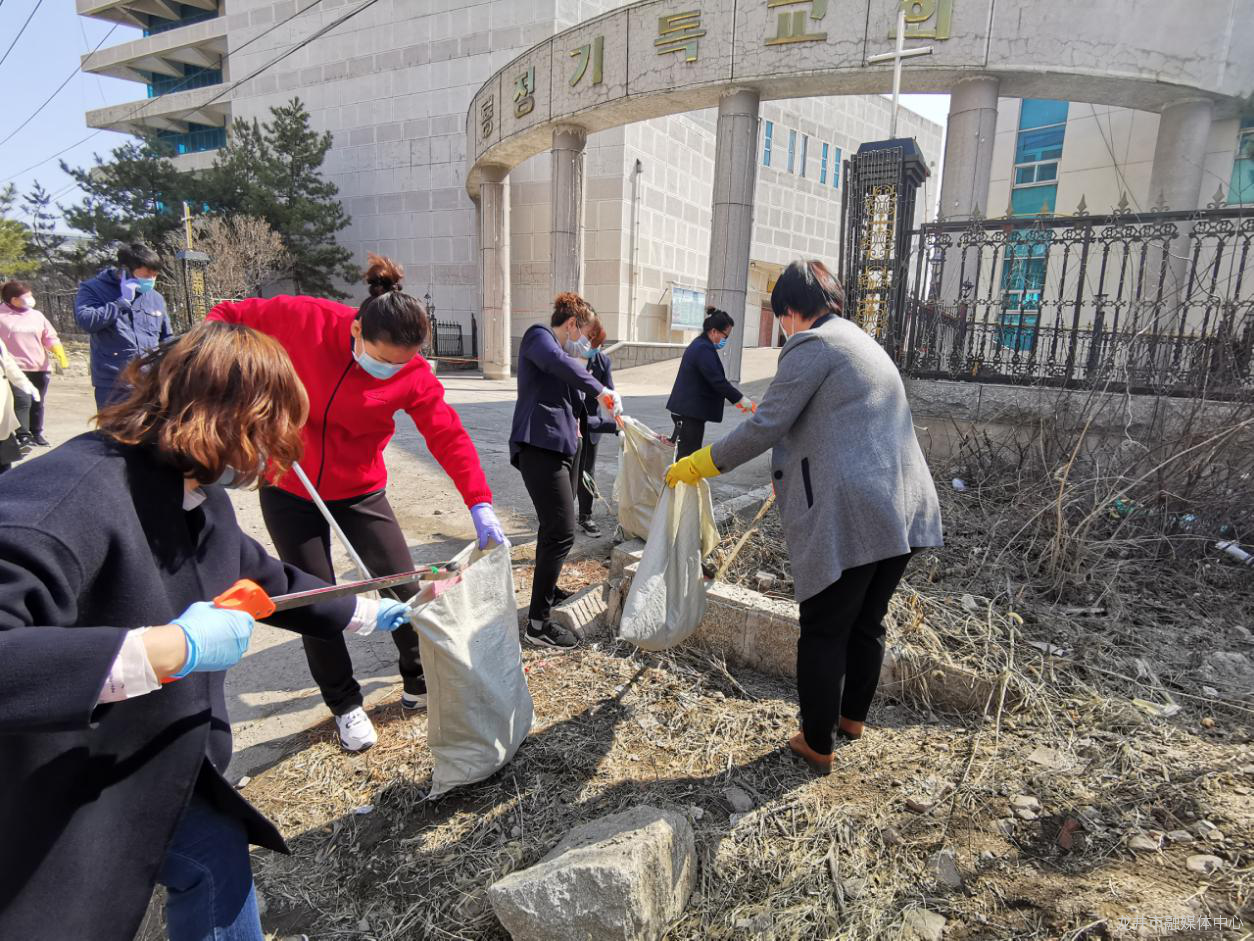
<point x="246" y="595"/>
<point x="591" y="486"/>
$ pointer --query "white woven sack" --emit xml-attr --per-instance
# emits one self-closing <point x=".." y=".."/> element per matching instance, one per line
<point x="642" y="464"/>
<point x="479" y="709"/>
<point x="667" y="597"/>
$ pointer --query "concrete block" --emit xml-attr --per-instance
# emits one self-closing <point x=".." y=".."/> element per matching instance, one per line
<point x="625" y="876"/>
<point x="584" y="612"/>
<point x="623" y="555"/>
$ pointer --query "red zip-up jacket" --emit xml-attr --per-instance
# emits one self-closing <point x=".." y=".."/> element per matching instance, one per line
<point x="350" y="411"/>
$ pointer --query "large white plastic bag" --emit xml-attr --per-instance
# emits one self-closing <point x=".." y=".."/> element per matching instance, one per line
<point x="667" y="597"/>
<point x="478" y="706"/>
<point x="642" y="464"/>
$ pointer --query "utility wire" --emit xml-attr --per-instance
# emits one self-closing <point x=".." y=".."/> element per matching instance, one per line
<point x="48" y="100"/>
<point x="151" y="101"/>
<point x="38" y="4"/>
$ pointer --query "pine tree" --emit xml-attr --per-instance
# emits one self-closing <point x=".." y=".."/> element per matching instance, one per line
<point x="15" y="256"/>
<point x="273" y="171"/>
<point x="135" y="195"/>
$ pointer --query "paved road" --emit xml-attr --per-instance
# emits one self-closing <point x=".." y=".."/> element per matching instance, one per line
<point x="270" y="694"/>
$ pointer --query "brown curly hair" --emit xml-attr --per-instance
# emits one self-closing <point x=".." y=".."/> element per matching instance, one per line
<point x="569" y="304"/>
<point x="222" y="395"/>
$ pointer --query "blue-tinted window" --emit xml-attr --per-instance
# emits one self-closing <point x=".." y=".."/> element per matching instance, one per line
<point x="1241" y="187"/>
<point x="1039" y="112"/>
<point x="197" y="139"/>
<point x="823" y="165"/>
<point x="1022" y="281"/>
<point x="836" y="168"/>
<point x="186" y="16"/>
<point x="193" y="77"/>
<point x="1045" y="144"/>
<point x="1031" y="200"/>
<point x="766" y="143"/>
<point x="792" y="151"/>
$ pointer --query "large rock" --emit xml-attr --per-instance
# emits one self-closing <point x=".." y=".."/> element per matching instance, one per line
<point x="625" y="876"/>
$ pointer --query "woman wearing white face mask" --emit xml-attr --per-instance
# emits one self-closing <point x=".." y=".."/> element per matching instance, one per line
<point x="360" y="367"/>
<point x="701" y="385"/>
<point x="33" y="343"/>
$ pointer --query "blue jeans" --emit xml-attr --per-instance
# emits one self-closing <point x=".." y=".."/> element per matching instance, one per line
<point x="210" y="879"/>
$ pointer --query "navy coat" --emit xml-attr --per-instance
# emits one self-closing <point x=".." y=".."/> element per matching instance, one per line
<point x="120" y="332"/>
<point x="591" y="420"/>
<point x="544" y="412"/>
<point x="701" y="385"/>
<point x="94" y="540"/>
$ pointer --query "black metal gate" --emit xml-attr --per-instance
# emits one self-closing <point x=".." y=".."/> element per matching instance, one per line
<point x="1154" y="302"/>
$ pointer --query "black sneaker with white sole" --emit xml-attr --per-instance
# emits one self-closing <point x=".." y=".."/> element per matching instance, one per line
<point x="587" y="524"/>
<point x="415" y="699"/>
<point x="560" y="595"/>
<point x="550" y="634"/>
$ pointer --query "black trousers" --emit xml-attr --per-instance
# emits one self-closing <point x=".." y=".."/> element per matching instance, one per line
<point x="303" y="539"/>
<point x="30" y="414"/>
<point x="688" y="435"/>
<point x="585" y="463"/>
<point x="546" y="475"/>
<point x="841" y="648"/>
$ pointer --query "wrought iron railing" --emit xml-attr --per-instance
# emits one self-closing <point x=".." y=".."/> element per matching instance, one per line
<point x="1156" y="302"/>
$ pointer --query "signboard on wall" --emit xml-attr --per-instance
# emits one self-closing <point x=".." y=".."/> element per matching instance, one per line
<point x="687" y="308"/>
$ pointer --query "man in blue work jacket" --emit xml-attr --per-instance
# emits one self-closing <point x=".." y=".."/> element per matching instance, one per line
<point x="124" y="313"/>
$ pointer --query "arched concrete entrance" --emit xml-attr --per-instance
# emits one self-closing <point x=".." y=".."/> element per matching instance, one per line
<point x="658" y="57"/>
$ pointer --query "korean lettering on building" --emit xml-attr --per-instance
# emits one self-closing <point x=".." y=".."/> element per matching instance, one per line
<point x="794" y="21"/>
<point x="591" y="58"/>
<point x="679" y="32"/>
<point x="926" y="19"/>
<point x="525" y="93"/>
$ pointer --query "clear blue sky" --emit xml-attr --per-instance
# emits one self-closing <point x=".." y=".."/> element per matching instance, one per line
<point x="51" y="48"/>
<point x="48" y="51"/>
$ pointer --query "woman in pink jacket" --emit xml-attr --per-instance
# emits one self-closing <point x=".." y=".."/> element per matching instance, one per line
<point x="30" y="338"/>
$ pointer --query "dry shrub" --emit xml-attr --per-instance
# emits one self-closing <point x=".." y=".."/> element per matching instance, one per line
<point x="245" y="254"/>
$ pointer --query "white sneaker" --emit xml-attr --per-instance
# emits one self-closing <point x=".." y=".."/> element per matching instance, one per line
<point x="356" y="731"/>
<point x="413" y="702"/>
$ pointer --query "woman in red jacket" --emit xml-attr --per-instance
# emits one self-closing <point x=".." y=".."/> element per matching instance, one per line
<point x="360" y="367"/>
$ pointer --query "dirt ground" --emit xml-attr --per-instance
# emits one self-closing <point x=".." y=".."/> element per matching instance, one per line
<point x="1033" y="806"/>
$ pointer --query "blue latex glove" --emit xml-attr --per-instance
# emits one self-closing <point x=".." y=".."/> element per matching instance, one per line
<point x="216" y="637"/>
<point x="130" y="287"/>
<point x="487" y="527"/>
<point x="391" y="615"/>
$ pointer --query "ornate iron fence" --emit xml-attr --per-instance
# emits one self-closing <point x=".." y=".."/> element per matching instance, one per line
<point x="1149" y="302"/>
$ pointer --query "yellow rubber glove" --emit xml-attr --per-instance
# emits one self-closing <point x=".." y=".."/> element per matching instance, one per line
<point x="690" y="469"/>
<point x="58" y="353"/>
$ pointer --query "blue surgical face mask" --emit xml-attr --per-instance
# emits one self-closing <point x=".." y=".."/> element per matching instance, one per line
<point x="578" y="347"/>
<point x="144" y="285"/>
<point x="376" y="367"/>
<point x="590" y="352"/>
<point x="721" y="343"/>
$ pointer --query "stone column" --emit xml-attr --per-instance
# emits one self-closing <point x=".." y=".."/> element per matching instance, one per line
<point x="731" y="221"/>
<point x="969" y="148"/>
<point x="567" y="244"/>
<point x="494" y="355"/>
<point x="1176" y="183"/>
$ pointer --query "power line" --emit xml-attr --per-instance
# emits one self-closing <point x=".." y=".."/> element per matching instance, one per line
<point x="151" y="101"/>
<point x="48" y="100"/>
<point x="38" y="4"/>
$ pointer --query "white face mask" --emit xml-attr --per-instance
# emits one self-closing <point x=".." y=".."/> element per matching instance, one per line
<point x="28" y="301"/>
<point x="577" y="347"/>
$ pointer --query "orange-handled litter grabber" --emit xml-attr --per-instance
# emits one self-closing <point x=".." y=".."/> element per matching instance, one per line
<point x="247" y="596"/>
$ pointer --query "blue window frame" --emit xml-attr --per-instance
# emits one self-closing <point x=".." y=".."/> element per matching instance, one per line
<point x="1241" y="186"/>
<point x="805" y="152"/>
<point x="1022" y="280"/>
<point x="196" y="139"/>
<point x="1041" y="112"/>
<point x="192" y="77"/>
<point x="792" y="151"/>
<point x="766" y="143"/>
<point x="836" y="168"/>
<point x="187" y="15"/>
<point x="823" y="165"/>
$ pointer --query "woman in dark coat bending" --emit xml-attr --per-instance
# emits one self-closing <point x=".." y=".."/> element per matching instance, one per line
<point x="543" y="445"/>
<point x="701" y="385"/>
<point x="111" y="547"/>
<point x="591" y="424"/>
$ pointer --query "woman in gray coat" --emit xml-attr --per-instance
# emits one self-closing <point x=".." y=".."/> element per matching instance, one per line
<point x="855" y="497"/>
